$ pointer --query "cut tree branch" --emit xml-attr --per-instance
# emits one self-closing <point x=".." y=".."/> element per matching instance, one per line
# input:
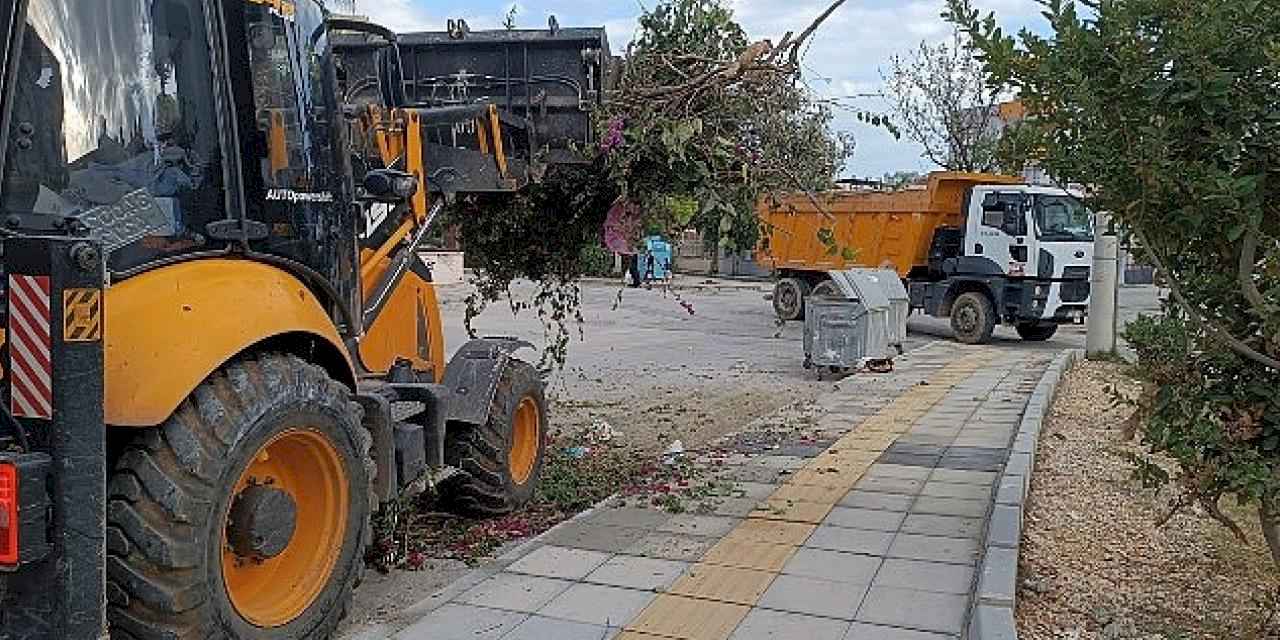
<point x="794" y="60"/>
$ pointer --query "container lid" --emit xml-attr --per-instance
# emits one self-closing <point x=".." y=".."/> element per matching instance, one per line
<point x="860" y="284"/>
<point x="891" y="283"/>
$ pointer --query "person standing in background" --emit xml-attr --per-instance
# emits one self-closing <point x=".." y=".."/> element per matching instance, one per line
<point x="621" y="236"/>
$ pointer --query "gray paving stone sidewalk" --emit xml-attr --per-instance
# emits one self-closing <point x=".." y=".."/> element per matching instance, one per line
<point x="891" y="558"/>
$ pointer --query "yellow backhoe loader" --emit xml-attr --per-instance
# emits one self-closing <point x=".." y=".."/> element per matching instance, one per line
<point x="221" y="353"/>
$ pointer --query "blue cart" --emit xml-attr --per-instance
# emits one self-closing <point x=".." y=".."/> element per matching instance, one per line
<point x="655" y="262"/>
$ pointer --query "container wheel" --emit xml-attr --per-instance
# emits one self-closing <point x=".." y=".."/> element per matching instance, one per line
<point x="788" y="298"/>
<point x="1036" y="332"/>
<point x="973" y="318"/>
<point x="501" y="461"/>
<point x="245" y="514"/>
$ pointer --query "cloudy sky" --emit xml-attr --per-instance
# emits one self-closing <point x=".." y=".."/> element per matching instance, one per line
<point x="845" y="60"/>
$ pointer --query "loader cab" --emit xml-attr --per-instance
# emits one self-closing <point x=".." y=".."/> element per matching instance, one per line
<point x="141" y="124"/>
<point x="112" y="128"/>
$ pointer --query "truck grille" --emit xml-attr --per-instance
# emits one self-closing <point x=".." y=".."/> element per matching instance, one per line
<point x="1076" y="288"/>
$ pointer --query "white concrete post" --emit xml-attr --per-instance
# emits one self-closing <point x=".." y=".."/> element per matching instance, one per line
<point x="1101" y="338"/>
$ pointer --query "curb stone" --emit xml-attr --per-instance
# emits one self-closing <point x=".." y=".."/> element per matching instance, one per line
<point x="991" y="614"/>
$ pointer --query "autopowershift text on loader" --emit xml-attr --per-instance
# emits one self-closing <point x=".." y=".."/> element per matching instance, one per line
<point x="212" y="212"/>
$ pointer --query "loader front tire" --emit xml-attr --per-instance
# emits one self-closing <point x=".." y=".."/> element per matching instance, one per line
<point x="500" y="461"/>
<point x="245" y="514"/>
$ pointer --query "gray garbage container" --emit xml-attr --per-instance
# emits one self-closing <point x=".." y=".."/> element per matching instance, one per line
<point x="865" y="287"/>
<point x="899" y="305"/>
<point x="836" y="332"/>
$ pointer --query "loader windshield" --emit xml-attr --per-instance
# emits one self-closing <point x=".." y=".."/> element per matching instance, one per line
<point x="113" y="124"/>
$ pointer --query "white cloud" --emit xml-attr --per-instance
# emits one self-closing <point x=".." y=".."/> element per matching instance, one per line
<point x="846" y="55"/>
<point x="399" y="15"/>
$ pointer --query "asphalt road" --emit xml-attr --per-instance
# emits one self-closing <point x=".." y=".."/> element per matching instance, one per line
<point x="1134" y="301"/>
<point x="648" y="331"/>
<point x="695" y="362"/>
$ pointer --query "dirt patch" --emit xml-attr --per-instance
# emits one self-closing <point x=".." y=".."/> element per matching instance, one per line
<point x="1093" y="565"/>
<point x="382" y="596"/>
<point x="695" y="411"/>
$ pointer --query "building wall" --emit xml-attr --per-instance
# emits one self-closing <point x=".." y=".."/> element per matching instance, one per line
<point x="693" y="257"/>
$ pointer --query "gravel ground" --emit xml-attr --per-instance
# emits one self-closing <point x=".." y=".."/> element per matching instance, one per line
<point x="1093" y="565"/>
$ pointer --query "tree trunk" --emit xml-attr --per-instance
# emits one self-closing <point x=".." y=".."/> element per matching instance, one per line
<point x="1269" y="518"/>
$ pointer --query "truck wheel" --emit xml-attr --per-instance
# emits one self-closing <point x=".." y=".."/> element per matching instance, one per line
<point x="827" y="289"/>
<point x="1036" y="332"/>
<point x="973" y="318"/>
<point x="245" y="514"/>
<point x="788" y="298"/>
<point x="500" y="462"/>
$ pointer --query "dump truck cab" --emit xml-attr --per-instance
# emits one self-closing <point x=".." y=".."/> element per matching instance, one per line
<point x="1028" y="249"/>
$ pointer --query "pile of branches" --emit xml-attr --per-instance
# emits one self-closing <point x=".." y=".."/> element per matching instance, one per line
<point x="703" y="116"/>
<point x="701" y="124"/>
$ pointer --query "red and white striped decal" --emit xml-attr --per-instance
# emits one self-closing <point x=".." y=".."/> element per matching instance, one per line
<point x="30" y="367"/>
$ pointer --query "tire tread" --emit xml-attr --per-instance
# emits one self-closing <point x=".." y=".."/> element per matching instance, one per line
<point x="479" y="451"/>
<point x="164" y="485"/>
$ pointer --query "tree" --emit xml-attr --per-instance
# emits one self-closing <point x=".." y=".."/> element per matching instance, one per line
<point x="900" y="179"/>
<point x="701" y="124"/>
<point x="1170" y="111"/>
<point x="703" y="114"/>
<point x="940" y="100"/>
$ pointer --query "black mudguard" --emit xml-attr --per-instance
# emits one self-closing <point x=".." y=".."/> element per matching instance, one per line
<point x="473" y="374"/>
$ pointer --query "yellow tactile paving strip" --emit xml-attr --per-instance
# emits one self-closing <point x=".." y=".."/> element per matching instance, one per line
<point x="723" y="584"/>
<point x="717" y="592"/>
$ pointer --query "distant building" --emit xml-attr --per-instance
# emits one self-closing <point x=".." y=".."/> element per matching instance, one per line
<point x="1007" y="114"/>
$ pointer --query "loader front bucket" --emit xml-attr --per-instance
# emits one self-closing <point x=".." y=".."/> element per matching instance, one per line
<point x="53" y="462"/>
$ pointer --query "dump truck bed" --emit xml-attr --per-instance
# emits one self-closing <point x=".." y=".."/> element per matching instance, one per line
<point x="892" y="230"/>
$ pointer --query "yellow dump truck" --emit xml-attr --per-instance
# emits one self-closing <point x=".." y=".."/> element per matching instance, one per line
<point x="980" y="249"/>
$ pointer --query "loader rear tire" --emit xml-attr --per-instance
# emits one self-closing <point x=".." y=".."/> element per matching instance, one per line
<point x="197" y="547"/>
<point x="500" y="461"/>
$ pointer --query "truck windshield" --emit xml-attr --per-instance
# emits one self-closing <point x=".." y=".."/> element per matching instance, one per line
<point x="1062" y="218"/>
<point x="114" y="125"/>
